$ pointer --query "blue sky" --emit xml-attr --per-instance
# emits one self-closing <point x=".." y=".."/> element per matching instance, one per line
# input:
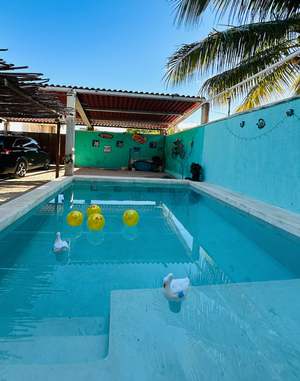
<point x="120" y="45"/>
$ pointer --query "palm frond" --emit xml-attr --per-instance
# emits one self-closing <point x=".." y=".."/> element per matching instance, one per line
<point x="261" y="90"/>
<point x="265" y="91"/>
<point x="247" y="68"/>
<point x="189" y="12"/>
<point x="223" y="50"/>
<point x="296" y="85"/>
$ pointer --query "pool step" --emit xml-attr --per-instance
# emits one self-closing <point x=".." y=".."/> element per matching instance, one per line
<point x="53" y="341"/>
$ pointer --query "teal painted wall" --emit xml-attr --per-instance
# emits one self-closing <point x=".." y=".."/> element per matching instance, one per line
<point x="263" y="164"/>
<point x="88" y="156"/>
<point x="180" y="168"/>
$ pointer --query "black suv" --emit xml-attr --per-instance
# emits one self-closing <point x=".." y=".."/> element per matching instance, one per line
<point x="19" y="153"/>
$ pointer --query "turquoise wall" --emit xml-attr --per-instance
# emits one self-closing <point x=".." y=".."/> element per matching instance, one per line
<point x="178" y="167"/>
<point x="263" y="164"/>
<point x="88" y="156"/>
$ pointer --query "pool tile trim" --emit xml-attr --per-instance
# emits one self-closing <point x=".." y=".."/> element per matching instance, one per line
<point x="283" y="219"/>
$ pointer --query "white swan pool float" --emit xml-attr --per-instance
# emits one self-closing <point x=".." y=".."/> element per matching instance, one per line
<point x="175" y="290"/>
<point x="59" y="245"/>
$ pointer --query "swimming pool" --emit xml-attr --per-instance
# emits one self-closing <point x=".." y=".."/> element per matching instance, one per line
<point x="98" y="311"/>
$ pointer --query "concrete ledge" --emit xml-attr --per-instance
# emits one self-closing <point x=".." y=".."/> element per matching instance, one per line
<point x="273" y="215"/>
<point x="141" y="180"/>
<point x="17" y="208"/>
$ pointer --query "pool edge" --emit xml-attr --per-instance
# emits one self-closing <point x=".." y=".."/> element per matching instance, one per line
<point x="281" y="218"/>
<point x="17" y="208"/>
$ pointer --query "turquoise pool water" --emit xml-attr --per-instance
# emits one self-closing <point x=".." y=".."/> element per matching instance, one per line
<point x="55" y="308"/>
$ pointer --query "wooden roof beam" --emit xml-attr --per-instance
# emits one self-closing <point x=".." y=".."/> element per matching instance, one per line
<point x="126" y="111"/>
<point x="83" y="115"/>
<point x="6" y="83"/>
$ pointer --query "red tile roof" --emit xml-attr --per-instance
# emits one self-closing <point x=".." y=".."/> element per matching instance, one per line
<point x="128" y="109"/>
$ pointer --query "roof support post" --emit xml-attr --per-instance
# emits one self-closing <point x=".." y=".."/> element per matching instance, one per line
<point x="205" y="113"/>
<point x="57" y="160"/>
<point x="6" y="126"/>
<point x="70" y="134"/>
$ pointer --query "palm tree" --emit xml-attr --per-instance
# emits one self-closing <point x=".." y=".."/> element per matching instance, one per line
<point x="239" y="52"/>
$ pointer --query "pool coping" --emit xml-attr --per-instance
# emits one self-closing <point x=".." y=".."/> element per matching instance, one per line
<point x="281" y="218"/>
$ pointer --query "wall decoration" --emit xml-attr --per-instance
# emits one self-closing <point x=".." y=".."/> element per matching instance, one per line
<point x="152" y="144"/>
<point x="119" y="144"/>
<point x="94" y="188"/>
<point x="136" y="150"/>
<point x="177" y="149"/>
<point x="261" y="123"/>
<point x="106" y="136"/>
<point x="107" y="148"/>
<point x="139" y="139"/>
<point x="95" y="143"/>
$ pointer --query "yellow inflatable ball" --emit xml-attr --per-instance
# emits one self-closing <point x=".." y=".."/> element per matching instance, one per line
<point x="93" y="209"/>
<point x="130" y="217"/>
<point x="75" y="218"/>
<point x="96" y="222"/>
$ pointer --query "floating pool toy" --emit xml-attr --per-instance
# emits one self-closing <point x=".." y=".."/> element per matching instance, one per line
<point x="75" y="218"/>
<point x="60" y="246"/>
<point x="130" y="217"/>
<point x="96" y="222"/>
<point x="92" y="209"/>
<point x="175" y="290"/>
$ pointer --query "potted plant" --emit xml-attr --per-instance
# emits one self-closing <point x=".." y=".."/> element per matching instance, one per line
<point x="195" y="170"/>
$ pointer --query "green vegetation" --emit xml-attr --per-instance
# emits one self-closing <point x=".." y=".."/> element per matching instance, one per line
<point x="136" y="131"/>
<point x="239" y="52"/>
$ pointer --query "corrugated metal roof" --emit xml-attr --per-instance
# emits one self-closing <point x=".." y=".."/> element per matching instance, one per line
<point x="89" y="89"/>
<point x="118" y="108"/>
<point x="127" y="109"/>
